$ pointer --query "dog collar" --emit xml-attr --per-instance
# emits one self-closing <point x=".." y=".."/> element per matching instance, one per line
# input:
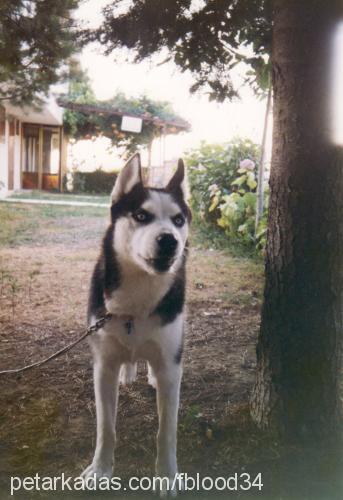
<point x="128" y="322"/>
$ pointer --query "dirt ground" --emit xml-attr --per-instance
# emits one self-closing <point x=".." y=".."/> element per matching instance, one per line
<point x="47" y="419"/>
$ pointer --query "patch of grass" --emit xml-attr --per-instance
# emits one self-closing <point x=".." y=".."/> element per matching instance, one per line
<point x="21" y="224"/>
<point x="16" y="225"/>
<point x="43" y="195"/>
<point x="56" y="211"/>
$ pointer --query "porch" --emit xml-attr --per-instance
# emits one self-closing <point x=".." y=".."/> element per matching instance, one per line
<point x="32" y="148"/>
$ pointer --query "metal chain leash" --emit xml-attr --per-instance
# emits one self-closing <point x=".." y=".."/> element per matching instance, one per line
<point x="91" y="329"/>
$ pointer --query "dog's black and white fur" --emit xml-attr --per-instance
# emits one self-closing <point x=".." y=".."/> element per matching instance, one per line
<point x="140" y="279"/>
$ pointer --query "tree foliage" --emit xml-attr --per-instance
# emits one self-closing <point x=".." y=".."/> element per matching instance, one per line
<point x="36" y="37"/>
<point x="86" y="125"/>
<point x="207" y="38"/>
<point x="79" y="91"/>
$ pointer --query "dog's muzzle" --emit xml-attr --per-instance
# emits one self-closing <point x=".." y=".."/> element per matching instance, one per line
<point x="166" y="245"/>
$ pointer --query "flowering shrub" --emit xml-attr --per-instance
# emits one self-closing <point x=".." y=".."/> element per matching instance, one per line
<point x="223" y="189"/>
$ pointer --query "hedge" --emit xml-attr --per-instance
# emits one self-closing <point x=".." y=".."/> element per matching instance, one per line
<point x="98" y="181"/>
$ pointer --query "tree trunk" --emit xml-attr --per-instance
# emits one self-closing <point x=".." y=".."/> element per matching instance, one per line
<point x="300" y="341"/>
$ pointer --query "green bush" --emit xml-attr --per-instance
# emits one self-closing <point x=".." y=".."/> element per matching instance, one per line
<point x="216" y="165"/>
<point x="223" y="188"/>
<point x="238" y="210"/>
<point x="96" y="182"/>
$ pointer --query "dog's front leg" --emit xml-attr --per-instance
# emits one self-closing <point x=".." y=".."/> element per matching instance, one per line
<point x="106" y="383"/>
<point x="168" y="392"/>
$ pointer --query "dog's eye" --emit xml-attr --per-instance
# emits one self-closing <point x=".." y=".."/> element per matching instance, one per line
<point x="178" y="220"/>
<point x="141" y="215"/>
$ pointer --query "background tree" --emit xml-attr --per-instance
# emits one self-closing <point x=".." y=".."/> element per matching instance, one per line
<point x="36" y="37"/>
<point x="79" y="91"/>
<point x="299" y="347"/>
<point x="205" y="40"/>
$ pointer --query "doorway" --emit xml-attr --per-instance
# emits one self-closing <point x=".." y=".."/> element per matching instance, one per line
<point x="41" y="157"/>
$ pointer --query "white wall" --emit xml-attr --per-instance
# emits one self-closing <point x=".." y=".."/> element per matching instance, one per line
<point x="4" y="164"/>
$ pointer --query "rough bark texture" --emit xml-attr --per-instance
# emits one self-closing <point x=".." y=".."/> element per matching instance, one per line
<point x="300" y="343"/>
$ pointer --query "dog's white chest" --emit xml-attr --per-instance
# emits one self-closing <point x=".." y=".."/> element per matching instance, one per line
<point x="138" y="296"/>
<point x="130" y="339"/>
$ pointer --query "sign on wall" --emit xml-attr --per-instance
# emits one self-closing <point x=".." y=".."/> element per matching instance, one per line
<point x="131" y="124"/>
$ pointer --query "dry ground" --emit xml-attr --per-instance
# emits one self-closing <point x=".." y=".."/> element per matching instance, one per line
<point x="47" y="418"/>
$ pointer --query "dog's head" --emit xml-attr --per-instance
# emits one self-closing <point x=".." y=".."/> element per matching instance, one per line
<point x="151" y="225"/>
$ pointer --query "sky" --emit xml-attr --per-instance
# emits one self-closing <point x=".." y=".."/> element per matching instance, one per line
<point x="210" y="121"/>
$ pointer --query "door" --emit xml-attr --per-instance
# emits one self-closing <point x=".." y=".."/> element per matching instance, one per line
<point x="30" y="157"/>
<point x="51" y="158"/>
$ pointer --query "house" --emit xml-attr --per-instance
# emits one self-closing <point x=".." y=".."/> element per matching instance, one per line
<point x="33" y="144"/>
<point x="32" y="147"/>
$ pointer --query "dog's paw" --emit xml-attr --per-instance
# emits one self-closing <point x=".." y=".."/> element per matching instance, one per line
<point x="169" y="486"/>
<point x="128" y="373"/>
<point x="95" y="471"/>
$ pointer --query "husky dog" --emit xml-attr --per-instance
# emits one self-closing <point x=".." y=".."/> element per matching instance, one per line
<point x="140" y="279"/>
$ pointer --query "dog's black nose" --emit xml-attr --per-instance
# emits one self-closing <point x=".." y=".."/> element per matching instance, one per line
<point x="167" y="243"/>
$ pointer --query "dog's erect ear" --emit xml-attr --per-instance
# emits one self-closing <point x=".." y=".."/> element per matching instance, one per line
<point x="178" y="180"/>
<point x="129" y="176"/>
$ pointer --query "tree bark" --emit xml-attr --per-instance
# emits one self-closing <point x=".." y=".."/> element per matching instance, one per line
<point x="299" y="348"/>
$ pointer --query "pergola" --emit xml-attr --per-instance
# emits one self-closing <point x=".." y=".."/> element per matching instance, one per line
<point x="162" y="127"/>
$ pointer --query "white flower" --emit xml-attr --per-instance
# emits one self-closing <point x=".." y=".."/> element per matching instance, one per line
<point x="247" y="164"/>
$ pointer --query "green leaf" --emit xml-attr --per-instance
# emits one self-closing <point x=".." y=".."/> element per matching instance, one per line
<point x="214" y="204"/>
<point x="250" y="199"/>
<point x="251" y="180"/>
<point x="239" y="181"/>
